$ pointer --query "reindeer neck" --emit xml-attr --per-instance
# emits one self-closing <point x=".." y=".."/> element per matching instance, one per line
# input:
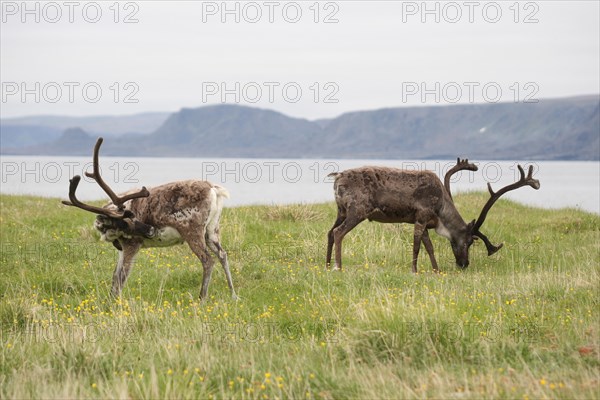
<point x="450" y="223"/>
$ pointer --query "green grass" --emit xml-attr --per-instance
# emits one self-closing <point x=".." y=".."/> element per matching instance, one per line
<point x="523" y="323"/>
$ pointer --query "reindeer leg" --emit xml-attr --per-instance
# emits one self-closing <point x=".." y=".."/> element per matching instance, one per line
<point x="212" y="239"/>
<point x="337" y="223"/>
<point x="117" y="274"/>
<point x="198" y="246"/>
<point x="429" y="247"/>
<point x="418" y="236"/>
<point x="126" y="259"/>
<point x="338" y="235"/>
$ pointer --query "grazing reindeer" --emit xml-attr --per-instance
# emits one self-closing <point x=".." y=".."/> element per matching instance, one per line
<point x="177" y="212"/>
<point x="417" y="197"/>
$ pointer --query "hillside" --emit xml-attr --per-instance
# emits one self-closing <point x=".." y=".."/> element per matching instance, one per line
<point x="35" y="130"/>
<point x="552" y="129"/>
<point x="233" y="131"/>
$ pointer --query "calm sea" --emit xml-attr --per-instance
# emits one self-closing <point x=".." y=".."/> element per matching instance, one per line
<point x="285" y="181"/>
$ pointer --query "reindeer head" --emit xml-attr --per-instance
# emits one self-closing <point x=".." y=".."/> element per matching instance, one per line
<point x="113" y="221"/>
<point x="462" y="241"/>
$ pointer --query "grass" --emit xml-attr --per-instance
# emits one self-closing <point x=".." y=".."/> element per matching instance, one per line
<point x="523" y="323"/>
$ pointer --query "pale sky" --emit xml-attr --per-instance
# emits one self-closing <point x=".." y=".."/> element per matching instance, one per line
<point x="367" y="55"/>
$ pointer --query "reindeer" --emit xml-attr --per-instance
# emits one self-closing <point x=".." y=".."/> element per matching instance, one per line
<point x="170" y="214"/>
<point x="392" y="195"/>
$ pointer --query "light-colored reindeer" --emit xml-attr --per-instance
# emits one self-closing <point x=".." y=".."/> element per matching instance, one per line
<point x="416" y="197"/>
<point x="174" y="213"/>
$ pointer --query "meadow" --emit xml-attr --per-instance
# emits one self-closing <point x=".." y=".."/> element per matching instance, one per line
<point x="523" y="323"/>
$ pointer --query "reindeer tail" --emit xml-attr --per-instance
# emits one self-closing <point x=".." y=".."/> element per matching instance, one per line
<point x="221" y="191"/>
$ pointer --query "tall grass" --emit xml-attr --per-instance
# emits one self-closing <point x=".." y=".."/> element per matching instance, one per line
<point x="523" y="323"/>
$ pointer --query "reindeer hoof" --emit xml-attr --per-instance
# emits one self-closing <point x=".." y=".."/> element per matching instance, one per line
<point x="493" y="249"/>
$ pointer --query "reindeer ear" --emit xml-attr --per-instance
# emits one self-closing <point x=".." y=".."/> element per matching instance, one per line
<point x="471" y="225"/>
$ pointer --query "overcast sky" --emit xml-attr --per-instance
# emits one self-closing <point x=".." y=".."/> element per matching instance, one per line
<point x="305" y="59"/>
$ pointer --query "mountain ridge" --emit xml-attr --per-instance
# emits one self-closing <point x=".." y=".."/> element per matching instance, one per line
<point x="555" y="129"/>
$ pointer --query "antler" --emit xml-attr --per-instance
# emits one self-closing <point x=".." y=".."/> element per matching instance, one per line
<point x="73" y="183"/>
<point x="460" y="165"/>
<point x="118" y="201"/>
<point x="523" y="181"/>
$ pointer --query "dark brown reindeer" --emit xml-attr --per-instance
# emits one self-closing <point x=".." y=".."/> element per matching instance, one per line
<point x="173" y="213"/>
<point x="392" y="195"/>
